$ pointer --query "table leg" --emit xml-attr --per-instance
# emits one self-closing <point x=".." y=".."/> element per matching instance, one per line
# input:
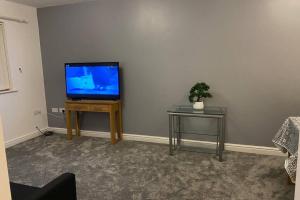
<point x="120" y="123"/>
<point x="112" y="122"/>
<point x="224" y="132"/>
<point x="179" y="131"/>
<point x="221" y="145"/>
<point x="171" y="134"/>
<point x="218" y="137"/>
<point x="77" y="123"/>
<point x="69" y="126"/>
<point x="174" y="134"/>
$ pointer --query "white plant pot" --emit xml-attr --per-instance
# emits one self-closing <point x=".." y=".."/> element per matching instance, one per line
<point x="198" y="105"/>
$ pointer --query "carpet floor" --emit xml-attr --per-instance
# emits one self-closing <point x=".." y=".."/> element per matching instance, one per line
<point x="137" y="170"/>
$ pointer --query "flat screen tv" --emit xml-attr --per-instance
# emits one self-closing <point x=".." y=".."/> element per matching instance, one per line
<point x="99" y="81"/>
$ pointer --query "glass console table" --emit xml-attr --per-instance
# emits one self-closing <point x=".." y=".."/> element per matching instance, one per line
<point x="176" y="113"/>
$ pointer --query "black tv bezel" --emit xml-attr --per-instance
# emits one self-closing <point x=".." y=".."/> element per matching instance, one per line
<point x="93" y="96"/>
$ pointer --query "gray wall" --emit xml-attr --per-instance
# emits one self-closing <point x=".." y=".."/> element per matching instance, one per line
<point x="247" y="51"/>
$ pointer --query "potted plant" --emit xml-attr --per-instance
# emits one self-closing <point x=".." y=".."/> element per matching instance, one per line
<point x="198" y="93"/>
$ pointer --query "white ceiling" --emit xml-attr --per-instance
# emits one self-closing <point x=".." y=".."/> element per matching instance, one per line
<point x="47" y="3"/>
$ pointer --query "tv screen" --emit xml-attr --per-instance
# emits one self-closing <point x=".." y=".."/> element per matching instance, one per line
<point x="92" y="81"/>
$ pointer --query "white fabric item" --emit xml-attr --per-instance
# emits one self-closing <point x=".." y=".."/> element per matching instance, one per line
<point x="286" y="140"/>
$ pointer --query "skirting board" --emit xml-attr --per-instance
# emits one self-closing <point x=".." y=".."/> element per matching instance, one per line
<point x="23" y="138"/>
<point x="195" y="143"/>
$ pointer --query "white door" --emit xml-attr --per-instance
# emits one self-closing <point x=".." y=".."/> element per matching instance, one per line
<point x="4" y="180"/>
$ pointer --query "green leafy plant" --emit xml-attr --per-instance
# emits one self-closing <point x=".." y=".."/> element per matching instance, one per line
<point x="198" y="92"/>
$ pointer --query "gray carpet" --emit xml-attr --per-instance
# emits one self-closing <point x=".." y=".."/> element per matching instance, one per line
<point x="137" y="170"/>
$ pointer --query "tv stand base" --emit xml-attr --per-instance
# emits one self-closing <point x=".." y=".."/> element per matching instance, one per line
<point x="114" y="109"/>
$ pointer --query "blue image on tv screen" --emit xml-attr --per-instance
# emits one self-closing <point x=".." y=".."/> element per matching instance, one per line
<point x="92" y="80"/>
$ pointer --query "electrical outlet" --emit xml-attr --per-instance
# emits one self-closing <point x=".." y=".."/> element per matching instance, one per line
<point x="37" y="112"/>
<point x="55" y="110"/>
<point x="61" y="110"/>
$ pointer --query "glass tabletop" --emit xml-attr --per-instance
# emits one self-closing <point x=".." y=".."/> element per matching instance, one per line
<point x="188" y="109"/>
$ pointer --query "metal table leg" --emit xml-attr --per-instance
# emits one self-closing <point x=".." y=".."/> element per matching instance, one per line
<point x="221" y="146"/>
<point x="223" y="132"/>
<point x="218" y="137"/>
<point x="223" y="135"/>
<point x="178" y="131"/>
<point x="171" y="134"/>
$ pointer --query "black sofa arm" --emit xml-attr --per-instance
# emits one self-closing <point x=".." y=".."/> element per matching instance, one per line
<point x="61" y="188"/>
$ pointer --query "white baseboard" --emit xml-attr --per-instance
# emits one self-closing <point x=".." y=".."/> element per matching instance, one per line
<point x="23" y="138"/>
<point x="195" y="143"/>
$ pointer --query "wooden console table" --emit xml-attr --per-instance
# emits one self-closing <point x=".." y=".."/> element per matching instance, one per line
<point x="112" y="107"/>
